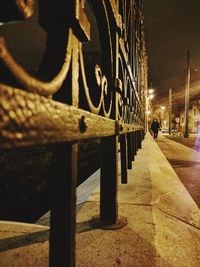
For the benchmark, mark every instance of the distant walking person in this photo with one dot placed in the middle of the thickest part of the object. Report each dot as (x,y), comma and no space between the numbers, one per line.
(155,126)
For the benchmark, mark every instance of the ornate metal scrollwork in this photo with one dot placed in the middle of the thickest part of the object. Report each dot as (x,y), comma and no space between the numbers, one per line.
(101,86)
(98,75)
(30,83)
(98,79)
(102,83)
(132,60)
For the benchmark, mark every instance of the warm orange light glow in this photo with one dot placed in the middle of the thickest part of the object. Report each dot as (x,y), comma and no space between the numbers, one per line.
(151,96)
(151,91)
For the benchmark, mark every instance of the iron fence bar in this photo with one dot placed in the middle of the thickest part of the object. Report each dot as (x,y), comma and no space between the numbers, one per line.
(63,206)
(108,182)
(128,68)
(136,142)
(123,157)
(133,146)
(62,251)
(61,123)
(109,156)
(139,139)
(129,148)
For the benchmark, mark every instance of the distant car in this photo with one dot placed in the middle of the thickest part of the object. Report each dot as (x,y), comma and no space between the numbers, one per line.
(165,130)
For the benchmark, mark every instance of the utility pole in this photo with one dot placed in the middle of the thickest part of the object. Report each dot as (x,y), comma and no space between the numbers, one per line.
(187,87)
(170,110)
(147,108)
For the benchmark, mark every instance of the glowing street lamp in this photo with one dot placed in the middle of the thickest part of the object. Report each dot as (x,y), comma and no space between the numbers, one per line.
(151,96)
(151,91)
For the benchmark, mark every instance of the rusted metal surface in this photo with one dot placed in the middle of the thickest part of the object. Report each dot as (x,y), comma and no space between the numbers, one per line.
(29,119)
(70,99)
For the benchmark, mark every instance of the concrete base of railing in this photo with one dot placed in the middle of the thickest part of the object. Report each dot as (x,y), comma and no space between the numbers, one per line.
(163,224)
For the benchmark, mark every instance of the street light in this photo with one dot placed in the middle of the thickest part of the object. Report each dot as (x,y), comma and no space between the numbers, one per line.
(151,96)
(151,91)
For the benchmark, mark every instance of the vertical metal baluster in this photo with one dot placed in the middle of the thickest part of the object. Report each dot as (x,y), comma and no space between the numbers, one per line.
(63,188)
(136,142)
(143,134)
(139,139)
(129,147)
(123,155)
(109,177)
(133,145)
(63,203)
(109,166)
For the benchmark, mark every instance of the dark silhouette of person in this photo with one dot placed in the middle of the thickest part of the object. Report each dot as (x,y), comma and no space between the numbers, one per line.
(155,126)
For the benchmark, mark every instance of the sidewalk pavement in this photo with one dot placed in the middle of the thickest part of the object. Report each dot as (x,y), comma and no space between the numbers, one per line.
(163,226)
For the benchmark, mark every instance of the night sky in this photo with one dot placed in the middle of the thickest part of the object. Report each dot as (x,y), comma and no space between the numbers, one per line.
(171,28)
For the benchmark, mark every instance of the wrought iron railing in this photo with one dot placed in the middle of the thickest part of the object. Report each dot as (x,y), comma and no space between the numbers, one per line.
(98,91)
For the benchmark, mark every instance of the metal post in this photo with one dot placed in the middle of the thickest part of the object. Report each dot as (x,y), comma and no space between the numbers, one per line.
(109,218)
(62,248)
(133,146)
(187,87)
(170,110)
(123,156)
(109,175)
(63,204)
(129,152)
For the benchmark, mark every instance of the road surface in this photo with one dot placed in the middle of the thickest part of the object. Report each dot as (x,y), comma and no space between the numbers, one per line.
(186,163)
